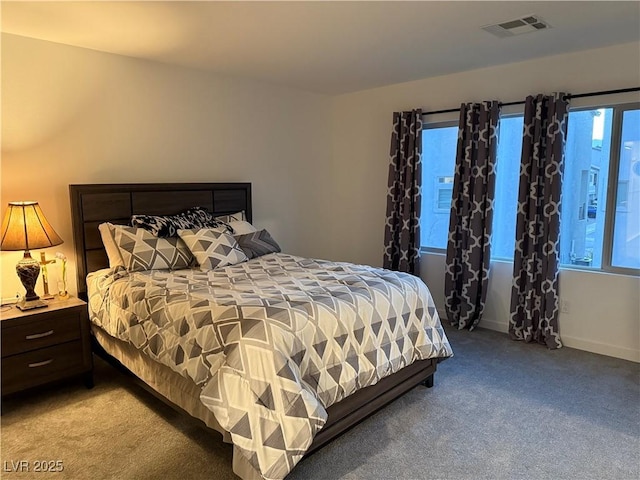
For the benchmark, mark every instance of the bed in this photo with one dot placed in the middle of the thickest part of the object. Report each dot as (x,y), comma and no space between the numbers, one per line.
(273,414)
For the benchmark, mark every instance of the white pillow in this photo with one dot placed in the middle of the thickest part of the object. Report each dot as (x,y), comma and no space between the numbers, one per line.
(212,249)
(241,227)
(113,253)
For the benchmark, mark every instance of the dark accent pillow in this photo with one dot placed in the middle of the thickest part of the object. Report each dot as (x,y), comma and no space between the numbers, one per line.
(256,244)
(168,225)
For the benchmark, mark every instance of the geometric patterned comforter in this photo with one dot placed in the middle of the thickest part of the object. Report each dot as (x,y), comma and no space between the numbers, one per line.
(274,341)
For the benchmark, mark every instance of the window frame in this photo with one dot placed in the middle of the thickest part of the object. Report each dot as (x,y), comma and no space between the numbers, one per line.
(612,191)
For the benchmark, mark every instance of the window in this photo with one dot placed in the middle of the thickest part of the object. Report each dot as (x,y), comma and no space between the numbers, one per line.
(622,197)
(439,143)
(600,223)
(444,194)
(503,238)
(600,218)
(587,152)
(625,252)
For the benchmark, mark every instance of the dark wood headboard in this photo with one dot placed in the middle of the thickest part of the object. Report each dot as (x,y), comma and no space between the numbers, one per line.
(92,205)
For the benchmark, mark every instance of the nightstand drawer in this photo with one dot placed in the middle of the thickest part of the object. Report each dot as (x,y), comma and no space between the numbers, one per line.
(57,327)
(41,366)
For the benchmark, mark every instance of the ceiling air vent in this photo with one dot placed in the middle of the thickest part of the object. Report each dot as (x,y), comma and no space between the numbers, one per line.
(527,24)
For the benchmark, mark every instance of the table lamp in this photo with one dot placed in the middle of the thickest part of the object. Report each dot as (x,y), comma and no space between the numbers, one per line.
(25,228)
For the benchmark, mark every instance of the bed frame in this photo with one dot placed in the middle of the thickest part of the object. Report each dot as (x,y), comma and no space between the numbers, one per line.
(115,203)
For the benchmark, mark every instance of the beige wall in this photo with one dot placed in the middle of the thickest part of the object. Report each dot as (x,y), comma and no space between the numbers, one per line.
(71,115)
(604,309)
(318,164)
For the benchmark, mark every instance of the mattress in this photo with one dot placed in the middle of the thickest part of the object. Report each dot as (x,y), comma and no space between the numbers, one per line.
(271,343)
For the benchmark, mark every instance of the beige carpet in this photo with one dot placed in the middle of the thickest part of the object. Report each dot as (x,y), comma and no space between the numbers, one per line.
(114,431)
(500,410)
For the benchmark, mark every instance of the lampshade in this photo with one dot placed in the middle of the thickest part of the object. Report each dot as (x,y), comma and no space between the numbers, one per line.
(25,228)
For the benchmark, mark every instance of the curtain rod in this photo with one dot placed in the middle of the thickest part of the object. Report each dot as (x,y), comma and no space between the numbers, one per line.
(521,102)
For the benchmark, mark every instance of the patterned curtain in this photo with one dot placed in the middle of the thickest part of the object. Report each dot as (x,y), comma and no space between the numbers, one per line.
(534,295)
(469,245)
(402,229)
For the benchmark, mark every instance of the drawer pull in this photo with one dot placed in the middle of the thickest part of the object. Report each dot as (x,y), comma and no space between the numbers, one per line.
(40,364)
(39,335)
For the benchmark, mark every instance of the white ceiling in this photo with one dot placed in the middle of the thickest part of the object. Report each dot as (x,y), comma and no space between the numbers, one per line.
(326,47)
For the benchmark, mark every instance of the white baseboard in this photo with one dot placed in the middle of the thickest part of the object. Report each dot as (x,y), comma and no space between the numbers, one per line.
(484,323)
(601,348)
(493,325)
(569,341)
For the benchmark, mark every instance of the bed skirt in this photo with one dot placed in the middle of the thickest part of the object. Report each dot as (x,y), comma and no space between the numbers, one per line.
(178,390)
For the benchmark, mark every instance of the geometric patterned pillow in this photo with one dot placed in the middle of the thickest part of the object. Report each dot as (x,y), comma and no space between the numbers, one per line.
(168,225)
(258,243)
(141,250)
(212,249)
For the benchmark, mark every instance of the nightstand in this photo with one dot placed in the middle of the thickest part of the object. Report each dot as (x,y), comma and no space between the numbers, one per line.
(45,344)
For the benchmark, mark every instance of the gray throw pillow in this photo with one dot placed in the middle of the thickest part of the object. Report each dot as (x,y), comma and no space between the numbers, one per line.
(258,243)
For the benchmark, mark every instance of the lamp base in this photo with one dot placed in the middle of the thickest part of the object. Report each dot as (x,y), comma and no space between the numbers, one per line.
(28,270)
(30,304)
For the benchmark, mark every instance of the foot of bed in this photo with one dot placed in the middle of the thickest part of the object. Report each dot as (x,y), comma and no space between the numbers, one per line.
(88,380)
(428,382)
